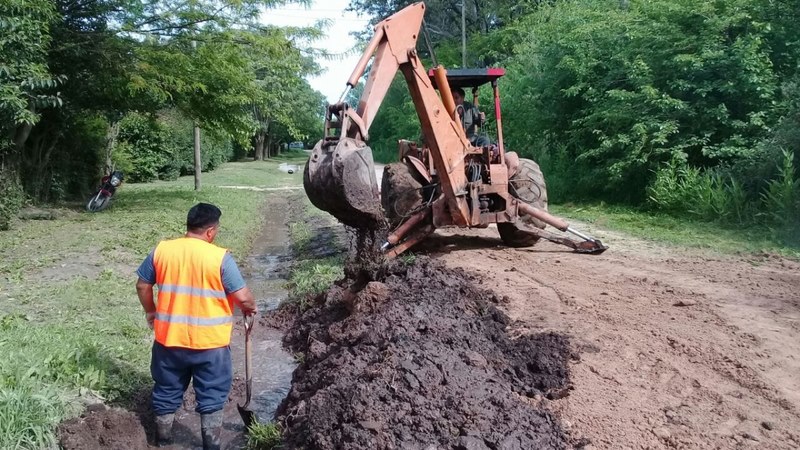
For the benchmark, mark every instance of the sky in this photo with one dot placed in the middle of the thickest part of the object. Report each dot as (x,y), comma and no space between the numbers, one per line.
(338,40)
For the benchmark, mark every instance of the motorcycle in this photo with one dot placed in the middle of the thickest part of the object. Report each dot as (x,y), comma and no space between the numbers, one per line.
(108,186)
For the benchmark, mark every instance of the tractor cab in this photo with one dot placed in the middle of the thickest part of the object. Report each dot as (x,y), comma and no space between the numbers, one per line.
(473,79)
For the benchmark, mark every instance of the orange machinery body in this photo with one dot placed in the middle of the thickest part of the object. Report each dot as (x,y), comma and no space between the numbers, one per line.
(465,174)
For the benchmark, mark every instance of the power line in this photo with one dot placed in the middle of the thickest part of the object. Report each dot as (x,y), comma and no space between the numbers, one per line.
(292,16)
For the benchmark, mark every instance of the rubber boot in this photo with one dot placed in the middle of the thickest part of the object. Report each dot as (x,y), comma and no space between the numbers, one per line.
(211,426)
(164,429)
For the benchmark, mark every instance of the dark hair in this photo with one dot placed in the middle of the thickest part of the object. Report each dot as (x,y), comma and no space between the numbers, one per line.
(202,216)
(460,91)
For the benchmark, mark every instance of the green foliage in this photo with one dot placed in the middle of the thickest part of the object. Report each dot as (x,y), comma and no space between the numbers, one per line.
(621,91)
(310,277)
(396,119)
(75,165)
(162,147)
(781,197)
(112,57)
(264,436)
(11,198)
(145,146)
(215,148)
(25,81)
(708,196)
(27,413)
(301,235)
(683,190)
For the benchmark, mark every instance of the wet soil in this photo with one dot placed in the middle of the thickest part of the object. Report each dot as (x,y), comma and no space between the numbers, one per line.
(101,427)
(421,360)
(679,348)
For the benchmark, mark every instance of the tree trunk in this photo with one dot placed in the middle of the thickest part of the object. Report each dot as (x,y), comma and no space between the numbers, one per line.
(259,145)
(198,166)
(269,145)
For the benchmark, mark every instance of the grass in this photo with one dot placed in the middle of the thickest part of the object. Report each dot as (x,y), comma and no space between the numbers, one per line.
(678,231)
(311,275)
(71,328)
(264,436)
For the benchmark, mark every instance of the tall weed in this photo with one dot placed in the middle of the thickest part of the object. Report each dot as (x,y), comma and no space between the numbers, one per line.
(689,191)
(11,198)
(781,197)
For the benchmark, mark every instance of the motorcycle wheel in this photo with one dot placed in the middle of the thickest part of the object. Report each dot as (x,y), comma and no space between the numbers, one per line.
(98,203)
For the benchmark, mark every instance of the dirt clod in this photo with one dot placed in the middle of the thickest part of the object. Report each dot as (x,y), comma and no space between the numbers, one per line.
(422,358)
(101,427)
(685,302)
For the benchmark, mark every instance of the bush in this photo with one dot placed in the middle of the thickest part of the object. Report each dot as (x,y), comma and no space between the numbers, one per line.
(781,197)
(11,198)
(621,91)
(78,166)
(162,147)
(214,149)
(143,147)
(688,191)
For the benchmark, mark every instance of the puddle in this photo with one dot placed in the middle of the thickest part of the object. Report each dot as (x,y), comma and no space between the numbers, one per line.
(288,168)
(265,271)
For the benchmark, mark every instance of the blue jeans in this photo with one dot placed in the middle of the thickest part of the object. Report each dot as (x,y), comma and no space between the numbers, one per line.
(211,373)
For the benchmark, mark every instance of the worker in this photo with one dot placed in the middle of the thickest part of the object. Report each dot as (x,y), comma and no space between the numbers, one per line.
(198,285)
(471,118)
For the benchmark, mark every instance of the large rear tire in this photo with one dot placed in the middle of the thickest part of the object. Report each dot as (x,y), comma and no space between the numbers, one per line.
(528,186)
(401,193)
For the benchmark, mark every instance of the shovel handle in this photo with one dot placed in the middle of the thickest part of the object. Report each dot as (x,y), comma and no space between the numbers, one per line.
(249,319)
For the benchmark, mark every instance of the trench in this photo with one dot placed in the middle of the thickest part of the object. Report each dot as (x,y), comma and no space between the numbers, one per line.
(265,271)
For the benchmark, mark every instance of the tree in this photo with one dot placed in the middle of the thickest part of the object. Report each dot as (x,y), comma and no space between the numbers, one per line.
(26,84)
(107,57)
(284,99)
(611,93)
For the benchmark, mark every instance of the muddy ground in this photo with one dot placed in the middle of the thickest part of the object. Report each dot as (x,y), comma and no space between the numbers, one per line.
(678,348)
(421,360)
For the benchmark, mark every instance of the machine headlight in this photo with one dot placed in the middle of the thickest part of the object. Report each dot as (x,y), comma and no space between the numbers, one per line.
(115,181)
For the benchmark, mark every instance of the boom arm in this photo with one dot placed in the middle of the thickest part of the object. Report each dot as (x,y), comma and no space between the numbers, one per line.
(394,47)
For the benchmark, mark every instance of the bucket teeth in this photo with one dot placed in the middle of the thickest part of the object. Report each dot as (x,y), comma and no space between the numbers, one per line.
(341,180)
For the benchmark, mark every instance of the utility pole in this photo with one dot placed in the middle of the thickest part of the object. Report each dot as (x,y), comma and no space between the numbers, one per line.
(463,35)
(197,165)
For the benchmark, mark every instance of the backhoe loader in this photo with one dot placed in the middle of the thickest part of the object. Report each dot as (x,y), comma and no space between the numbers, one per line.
(442,182)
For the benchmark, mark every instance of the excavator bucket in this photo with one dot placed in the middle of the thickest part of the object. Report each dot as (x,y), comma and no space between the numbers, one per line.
(340,178)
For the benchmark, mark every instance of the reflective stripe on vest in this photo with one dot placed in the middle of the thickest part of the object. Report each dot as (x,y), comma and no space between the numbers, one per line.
(192,310)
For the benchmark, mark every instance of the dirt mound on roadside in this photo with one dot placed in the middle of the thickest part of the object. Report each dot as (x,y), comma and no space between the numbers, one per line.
(421,359)
(102,427)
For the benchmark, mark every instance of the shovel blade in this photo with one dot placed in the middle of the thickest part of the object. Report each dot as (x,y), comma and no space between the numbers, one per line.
(248,415)
(594,247)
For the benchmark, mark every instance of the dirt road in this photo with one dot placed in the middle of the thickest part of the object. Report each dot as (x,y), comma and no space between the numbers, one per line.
(679,348)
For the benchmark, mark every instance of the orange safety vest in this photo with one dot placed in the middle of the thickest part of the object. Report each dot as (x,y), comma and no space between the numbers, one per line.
(192,310)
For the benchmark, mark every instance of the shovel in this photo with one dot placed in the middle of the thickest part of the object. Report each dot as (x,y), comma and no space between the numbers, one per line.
(248,415)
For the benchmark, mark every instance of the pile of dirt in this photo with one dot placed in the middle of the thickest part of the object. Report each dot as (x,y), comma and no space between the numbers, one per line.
(103,427)
(421,359)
